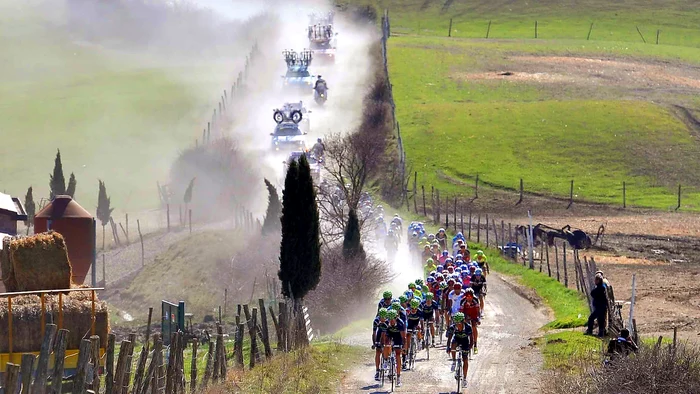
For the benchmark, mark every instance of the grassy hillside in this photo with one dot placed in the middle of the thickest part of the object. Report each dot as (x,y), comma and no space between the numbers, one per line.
(677,20)
(601,112)
(116,116)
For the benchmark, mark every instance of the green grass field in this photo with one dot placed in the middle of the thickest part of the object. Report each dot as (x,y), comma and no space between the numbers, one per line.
(116,117)
(454,127)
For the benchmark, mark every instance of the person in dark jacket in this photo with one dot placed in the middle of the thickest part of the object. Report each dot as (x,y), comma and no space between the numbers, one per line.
(622,346)
(599,296)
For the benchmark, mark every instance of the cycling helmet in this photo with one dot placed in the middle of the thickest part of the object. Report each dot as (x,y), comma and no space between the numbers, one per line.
(441,230)
(383,312)
(429,296)
(425,289)
(439,277)
(387,295)
(464,267)
(433,273)
(451,281)
(430,279)
(408,294)
(445,253)
(450,269)
(396,306)
(478,272)
(465,273)
(472,267)
(458,270)
(445,272)
(411,285)
(403,299)
(459,257)
(479,252)
(458,317)
(443,286)
(431,237)
(392,314)
(429,261)
(458,284)
(440,268)
(469,290)
(419,282)
(415,303)
(448,260)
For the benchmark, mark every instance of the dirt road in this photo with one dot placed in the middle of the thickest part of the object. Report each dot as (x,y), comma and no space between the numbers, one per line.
(506,362)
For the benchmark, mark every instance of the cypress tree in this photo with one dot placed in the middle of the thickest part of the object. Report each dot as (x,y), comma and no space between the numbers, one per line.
(104,212)
(57,182)
(300,251)
(274,210)
(72,184)
(352,242)
(30,208)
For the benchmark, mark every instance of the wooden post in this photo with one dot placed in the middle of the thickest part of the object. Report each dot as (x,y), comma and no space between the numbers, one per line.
(415,191)
(571,195)
(495,232)
(558,277)
(143,253)
(263,326)
(253,341)
(476,187)
(43,363)
(127,228)
(425,212)
(104,272)
(276,324)
(109,364)
(657,36)
(549,268)
(121,367)
(510,233)
(447,213)
(208,369)
(535,29)
(94,378)
(80,373)
(432,202)
(679,197)
(590,29)
(520,199)
(238,346)
(282,342)
(11,379)
(624,194)
(449,31)
(488,30)
(566,275)
(478,229)
(59,358)
(190,219)
(193,367)
(469,230)
(127,368)
(487,230)
(454,214)
(541,255)
(167,214)
(461,219)
(26,372)
(141,367)
(641,35)
(170,371)
(159,373)
(437,192)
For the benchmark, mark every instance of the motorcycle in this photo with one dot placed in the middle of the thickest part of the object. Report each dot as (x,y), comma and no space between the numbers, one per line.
(321,94)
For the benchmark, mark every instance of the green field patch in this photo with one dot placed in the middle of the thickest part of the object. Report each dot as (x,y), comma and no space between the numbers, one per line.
(569,350)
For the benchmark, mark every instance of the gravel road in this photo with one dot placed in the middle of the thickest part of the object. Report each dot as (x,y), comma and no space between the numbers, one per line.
(506,362)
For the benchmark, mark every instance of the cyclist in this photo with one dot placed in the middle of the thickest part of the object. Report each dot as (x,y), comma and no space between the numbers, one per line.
(478,283)
(430,308)
(414,325)
(445,254)
(464,251)
(395,335)
(441,237)
(472,311)
(454,299)
(386,300)
(459,333)
(481,260)
(429,266)
(379,327)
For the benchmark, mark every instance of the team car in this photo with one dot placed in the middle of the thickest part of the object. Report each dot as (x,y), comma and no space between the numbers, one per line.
(298,76)
(288,136)
(295,112)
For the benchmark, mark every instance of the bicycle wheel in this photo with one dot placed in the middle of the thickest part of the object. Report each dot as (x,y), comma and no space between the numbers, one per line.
(458,369)
(427,344)
(382,371)
(392,374)
(411,352)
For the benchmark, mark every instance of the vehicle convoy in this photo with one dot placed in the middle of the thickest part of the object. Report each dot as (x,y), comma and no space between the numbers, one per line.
(298,78)
(288,137)
(322,41)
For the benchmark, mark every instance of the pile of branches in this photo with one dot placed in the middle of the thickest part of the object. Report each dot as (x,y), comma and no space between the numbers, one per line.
(653,369)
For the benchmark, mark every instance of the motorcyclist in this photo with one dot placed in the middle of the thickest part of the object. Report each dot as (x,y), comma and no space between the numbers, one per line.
(317,149)
(320,84)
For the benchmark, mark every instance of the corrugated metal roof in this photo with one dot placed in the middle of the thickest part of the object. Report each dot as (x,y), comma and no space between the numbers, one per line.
(7,206)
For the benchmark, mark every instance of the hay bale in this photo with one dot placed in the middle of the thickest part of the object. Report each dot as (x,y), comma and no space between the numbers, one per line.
(40,262)
(8,276)
(26,320)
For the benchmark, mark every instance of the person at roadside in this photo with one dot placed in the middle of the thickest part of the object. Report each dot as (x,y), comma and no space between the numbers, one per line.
(379,327)
(599,296)
(472,311)
(622,346)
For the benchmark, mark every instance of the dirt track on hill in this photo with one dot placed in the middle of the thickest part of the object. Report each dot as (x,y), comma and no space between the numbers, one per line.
(507,361)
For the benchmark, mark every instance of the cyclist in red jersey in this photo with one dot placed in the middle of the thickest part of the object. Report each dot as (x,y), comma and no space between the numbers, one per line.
(472,310)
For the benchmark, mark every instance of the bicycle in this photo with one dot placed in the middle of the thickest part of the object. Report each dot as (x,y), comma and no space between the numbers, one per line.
(412,349)
(427,338)
(388,369)
(441,326)
(458,368)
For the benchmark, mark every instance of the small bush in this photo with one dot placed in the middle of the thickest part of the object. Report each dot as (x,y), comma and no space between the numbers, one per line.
(652,370)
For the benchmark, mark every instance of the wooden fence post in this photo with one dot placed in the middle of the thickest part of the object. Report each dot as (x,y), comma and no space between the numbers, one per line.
(127,368)
(238,346)
(43,363)
(476,187)
(193,367)
(447,213)
(449,31)
(437,193)
(11,378)
(461,219)
(520,199)
(109,364)
(59,358)
(679,197)
(624,194)
(541,255)
(253,341)
(282,340)
(558,278)
(264,328)
(487,230)
(167,214)
(641,35)
(478,229)
(141,367)
(425,212)
(571,195)
(488,30)
(432,202)
(549,268)
(80,373)
(469,230)
(657,36)
(590,29)
(94,377)
(121,367)
(566,275)
(26,372)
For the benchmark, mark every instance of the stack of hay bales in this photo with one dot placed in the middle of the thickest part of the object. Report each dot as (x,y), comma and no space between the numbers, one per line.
(40,262)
